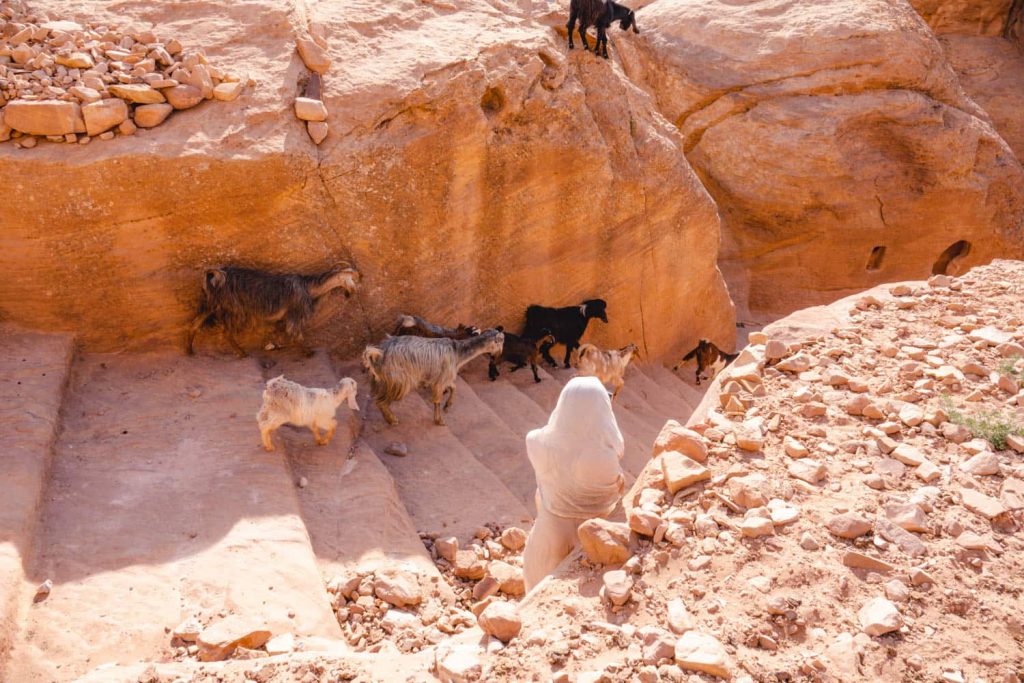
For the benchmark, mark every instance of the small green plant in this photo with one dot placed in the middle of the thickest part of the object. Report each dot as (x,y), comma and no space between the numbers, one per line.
(992,425)
(1008,367)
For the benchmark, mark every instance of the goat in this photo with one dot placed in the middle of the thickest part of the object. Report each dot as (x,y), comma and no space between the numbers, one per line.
(418,327)
(707,355)
(567,325)
(600,14)
(519,351)
(608,366)
(241,298)
(401,364)
(286,402)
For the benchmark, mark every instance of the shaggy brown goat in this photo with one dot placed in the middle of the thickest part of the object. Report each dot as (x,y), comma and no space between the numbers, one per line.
(399,365)
(239,299)
(519,351)
(418,327)
(707,355)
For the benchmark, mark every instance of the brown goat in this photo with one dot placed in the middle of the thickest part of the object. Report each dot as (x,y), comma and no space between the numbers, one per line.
(239,299)
(519,351)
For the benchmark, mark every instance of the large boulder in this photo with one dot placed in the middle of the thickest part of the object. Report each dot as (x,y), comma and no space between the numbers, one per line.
(466,181)
(835,138)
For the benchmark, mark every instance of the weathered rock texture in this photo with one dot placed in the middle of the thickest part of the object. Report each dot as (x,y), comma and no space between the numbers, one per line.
(836,140)
(468,174)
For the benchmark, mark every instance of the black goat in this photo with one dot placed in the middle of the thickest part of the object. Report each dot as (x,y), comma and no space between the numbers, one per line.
(241,298)
(707,354)
(567,325)
(600,14)
(418,327)
(519,351)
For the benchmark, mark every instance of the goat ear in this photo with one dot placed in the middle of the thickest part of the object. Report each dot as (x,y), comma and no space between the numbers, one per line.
(216,277)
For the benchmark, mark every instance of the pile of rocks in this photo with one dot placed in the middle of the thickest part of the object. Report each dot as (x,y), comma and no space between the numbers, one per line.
(65,82)
(831,517)
(488,570)
(310,107)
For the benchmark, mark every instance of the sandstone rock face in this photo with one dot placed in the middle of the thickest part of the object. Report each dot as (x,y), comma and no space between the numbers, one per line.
(825,164)
(541,177)
(977,17)
(991,70)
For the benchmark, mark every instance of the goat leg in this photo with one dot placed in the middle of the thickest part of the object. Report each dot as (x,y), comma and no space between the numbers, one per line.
(571,26)
(601,48)
(583,36)
(438,418)
(492,370)
(568,352)
(234,344)
(533,366)
(545,350)
(330,432)
(316,434)
(385,410)
(199,321)
(266,435)
(451,397)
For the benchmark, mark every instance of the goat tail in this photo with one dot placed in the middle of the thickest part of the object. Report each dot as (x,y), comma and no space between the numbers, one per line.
(373,357)
(691,354)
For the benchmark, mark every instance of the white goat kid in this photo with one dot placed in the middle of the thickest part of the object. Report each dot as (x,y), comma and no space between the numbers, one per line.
(287,402)
(608,366)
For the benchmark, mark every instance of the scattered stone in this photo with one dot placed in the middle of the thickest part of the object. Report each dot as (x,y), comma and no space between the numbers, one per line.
(284,643)
(754,527)
(679,619)
(509,578)
(879,616)
(676,438)
(188,630)
(1015,442)
(604,542)
(908,455)
(397,588)
(46,117)
(698,651)
(808,542)
(982,464)
(807,470)
(907,542)
(218,640)
(317,131)
(681,471)
(501,620)
(468,566)
(513,538)
(308,109)
(459,664)
(907,515)
(313,55)
(978,503)
(927,472)
(897,591)
(617,587)
(151,115)
(643,522)
(43,590)
(138,93)
(848,525)
(183,96)
(228,92)
(852,558)
(397,449)
(794,448)
(447,547)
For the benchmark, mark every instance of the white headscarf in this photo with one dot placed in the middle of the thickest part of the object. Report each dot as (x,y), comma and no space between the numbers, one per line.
(576,456)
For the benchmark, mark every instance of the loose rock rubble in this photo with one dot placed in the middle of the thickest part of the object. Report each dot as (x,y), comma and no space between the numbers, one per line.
(892,550)
(65,82)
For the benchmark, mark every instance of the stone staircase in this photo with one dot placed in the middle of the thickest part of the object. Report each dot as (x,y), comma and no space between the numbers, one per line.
(138,485)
